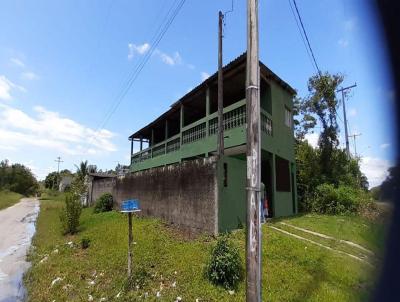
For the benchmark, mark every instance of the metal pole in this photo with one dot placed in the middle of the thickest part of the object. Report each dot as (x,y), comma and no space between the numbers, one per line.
(220,143)
(253,237)
(130,239)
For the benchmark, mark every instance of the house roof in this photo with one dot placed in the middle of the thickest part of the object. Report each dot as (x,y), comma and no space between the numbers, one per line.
(236,63)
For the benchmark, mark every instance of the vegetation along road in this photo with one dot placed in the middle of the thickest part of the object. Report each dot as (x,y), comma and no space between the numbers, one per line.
(305,258)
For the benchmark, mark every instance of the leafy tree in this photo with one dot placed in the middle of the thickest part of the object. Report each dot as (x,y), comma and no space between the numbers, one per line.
(17,178)
(321,105)
(326,164)
(51,181)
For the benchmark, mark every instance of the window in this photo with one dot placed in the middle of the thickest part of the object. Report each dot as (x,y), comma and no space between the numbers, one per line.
(288,117)
(282,174)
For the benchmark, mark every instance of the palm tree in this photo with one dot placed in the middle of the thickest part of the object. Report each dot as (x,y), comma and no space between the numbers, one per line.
(82,169)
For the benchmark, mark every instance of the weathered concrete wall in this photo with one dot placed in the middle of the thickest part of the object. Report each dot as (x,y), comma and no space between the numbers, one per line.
(182,194)
(100,186)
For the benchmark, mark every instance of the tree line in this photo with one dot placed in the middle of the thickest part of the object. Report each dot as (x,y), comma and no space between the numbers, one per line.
(328,180)
(17,178)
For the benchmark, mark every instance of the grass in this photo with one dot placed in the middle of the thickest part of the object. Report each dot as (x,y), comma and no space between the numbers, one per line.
(293,270)
(8,198)
(353,228)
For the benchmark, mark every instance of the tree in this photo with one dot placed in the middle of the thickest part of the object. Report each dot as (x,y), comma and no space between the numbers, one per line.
(82,170)
(51,181)
(321,105)
(327,163)
(17,178)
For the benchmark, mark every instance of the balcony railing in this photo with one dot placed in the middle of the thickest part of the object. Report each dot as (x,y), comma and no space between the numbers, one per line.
(234,116)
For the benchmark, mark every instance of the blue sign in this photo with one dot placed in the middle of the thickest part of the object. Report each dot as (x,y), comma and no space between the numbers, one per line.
(131,205)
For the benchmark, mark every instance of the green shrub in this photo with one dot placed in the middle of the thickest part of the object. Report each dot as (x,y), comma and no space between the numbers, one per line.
(330,200)
(225,266)
(85,243)
(69,215)
(104,203)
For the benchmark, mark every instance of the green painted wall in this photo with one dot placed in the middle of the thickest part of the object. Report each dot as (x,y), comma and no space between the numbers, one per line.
(232,197)
(280,143)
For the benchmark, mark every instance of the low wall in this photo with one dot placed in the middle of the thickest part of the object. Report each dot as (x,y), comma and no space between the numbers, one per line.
(183,194)
(99,186)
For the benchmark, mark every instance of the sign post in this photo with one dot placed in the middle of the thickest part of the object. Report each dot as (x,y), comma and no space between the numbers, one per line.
(130,206)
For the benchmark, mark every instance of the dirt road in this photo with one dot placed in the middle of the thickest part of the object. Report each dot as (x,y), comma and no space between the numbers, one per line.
(17,226)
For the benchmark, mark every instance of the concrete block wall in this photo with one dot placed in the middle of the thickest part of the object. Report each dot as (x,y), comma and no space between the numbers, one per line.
(99,186)
(182,194)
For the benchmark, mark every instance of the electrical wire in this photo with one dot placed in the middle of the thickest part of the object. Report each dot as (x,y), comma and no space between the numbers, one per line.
(301,35)
(306,36)
(135,72)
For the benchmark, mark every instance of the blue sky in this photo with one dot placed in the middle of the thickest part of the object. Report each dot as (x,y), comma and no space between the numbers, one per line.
(62,64)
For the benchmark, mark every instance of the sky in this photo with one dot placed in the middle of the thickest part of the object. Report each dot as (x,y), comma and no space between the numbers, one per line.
(63,65)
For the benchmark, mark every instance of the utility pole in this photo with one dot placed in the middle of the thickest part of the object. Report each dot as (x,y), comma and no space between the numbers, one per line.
(58,161)
(253,152)
(344,117)
(354,139)
(220,143)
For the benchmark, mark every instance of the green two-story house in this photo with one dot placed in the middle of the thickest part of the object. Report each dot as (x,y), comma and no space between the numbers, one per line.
(188,130)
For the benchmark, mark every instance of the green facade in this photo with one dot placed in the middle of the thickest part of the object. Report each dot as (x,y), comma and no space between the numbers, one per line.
(199,139)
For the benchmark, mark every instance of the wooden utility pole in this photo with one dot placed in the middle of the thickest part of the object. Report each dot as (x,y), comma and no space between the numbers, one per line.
(253,237)
(344,117)
(58,161)
(220,143)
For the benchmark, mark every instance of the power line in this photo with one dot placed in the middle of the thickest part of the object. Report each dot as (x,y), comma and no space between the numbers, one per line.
(301,35)
(306,36)
(140,66)
(134,73)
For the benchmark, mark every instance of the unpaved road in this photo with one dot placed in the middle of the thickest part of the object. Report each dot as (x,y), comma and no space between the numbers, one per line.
(17,226)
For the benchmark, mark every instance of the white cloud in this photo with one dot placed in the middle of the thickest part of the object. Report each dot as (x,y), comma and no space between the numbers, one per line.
(137,49)
(204,76)
(376,169)
(49,130)
(6,86)
(384,146)
(29,75)
(171,60)
(17,62)
(312,139)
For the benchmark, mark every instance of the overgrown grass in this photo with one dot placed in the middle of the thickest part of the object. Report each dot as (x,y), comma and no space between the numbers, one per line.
(8,198)
(293,270)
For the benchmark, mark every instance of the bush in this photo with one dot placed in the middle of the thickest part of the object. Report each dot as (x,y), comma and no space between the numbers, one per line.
(225,266)
(85,243)
(330,200)
(70,214)
(104,203)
